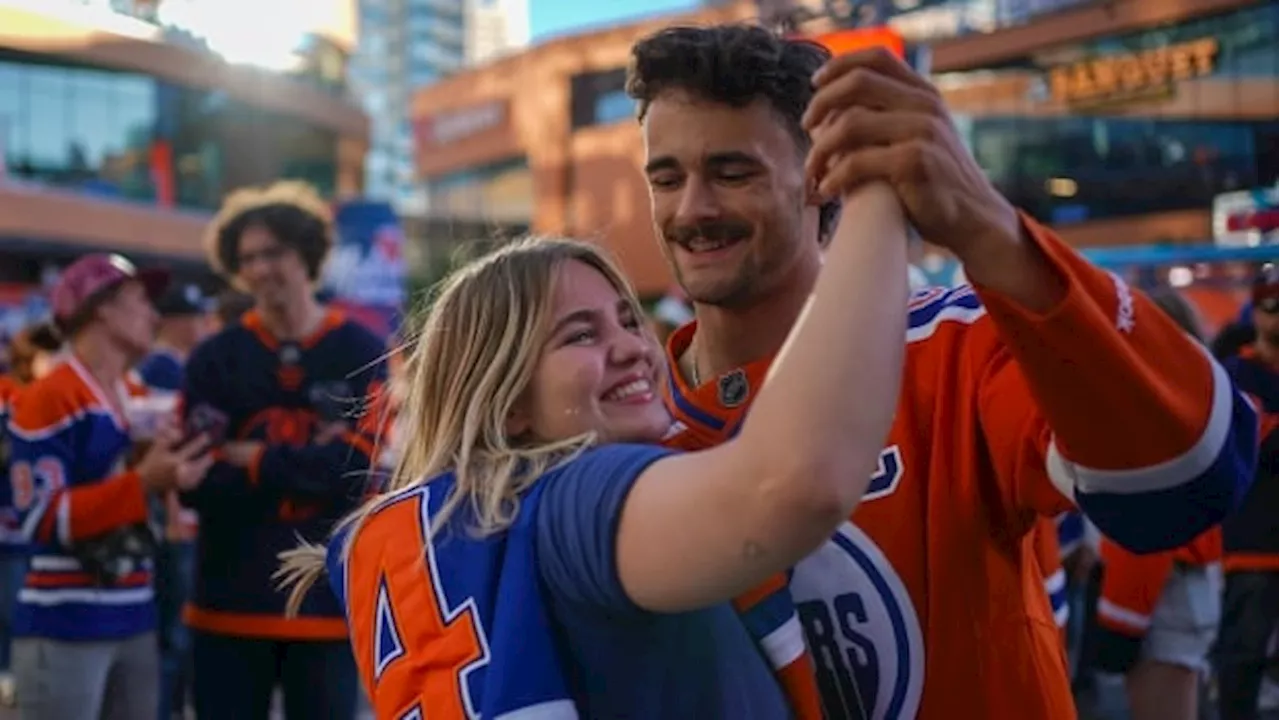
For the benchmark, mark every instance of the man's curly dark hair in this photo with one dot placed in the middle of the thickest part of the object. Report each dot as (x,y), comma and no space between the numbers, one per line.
(292,211)
(734,65)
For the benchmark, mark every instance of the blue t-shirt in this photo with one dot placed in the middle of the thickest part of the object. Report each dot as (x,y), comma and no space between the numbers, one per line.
(161,370)
(553,631)
(626,661)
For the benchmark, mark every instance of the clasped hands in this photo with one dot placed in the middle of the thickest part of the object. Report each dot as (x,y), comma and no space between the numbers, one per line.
(872,118)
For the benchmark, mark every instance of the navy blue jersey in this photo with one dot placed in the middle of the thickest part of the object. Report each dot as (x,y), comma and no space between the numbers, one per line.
(1251,535)
(285,395)
(533,620)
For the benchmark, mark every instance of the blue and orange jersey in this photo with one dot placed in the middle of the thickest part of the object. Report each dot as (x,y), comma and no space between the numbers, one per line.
(10,533)
(1251,536)
(1071,532)
(161,372)
(1005,416)
(532,620)
(283,395)
(68,483)
(1132,586)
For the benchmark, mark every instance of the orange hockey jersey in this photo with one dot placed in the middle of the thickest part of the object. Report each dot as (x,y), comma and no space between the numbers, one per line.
(1131,588)
(1044,543)
(929,603)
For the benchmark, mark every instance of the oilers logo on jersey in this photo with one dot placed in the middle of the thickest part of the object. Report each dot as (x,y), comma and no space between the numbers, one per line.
(866,643)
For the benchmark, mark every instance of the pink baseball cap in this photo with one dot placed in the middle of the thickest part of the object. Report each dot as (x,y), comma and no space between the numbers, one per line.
(87,278)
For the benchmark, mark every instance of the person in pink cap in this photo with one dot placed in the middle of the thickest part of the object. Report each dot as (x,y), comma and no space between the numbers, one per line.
(84,624)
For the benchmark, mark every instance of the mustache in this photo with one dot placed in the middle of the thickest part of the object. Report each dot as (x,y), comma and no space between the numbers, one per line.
(714,231)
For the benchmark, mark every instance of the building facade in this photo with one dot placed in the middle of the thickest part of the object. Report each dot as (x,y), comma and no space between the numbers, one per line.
(1122,122)
(494,28)
(115,138)
(409,44)
(1117,122)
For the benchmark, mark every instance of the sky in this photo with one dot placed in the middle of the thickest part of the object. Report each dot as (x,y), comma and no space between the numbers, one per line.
(548,18)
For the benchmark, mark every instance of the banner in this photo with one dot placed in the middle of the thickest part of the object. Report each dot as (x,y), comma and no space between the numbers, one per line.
(1246,218)
(366,272)
(21,304)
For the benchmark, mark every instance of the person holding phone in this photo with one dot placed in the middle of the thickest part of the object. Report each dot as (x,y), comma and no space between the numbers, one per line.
(84,625)
(288,383)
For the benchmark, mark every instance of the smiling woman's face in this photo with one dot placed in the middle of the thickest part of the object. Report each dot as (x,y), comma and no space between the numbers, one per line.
(599,369)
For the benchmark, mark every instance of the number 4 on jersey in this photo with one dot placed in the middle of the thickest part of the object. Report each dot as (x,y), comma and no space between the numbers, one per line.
(410,615)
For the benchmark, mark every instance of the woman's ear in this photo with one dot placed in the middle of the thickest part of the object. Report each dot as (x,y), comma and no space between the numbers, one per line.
(518,420)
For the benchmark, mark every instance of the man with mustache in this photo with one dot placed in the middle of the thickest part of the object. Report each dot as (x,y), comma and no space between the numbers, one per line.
(1046,382)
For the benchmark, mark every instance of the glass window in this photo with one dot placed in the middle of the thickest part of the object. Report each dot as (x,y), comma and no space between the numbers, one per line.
(47,114)
(13,119)
(613,107)
(97,130)
(90,131)
(599,97)
(1082,168)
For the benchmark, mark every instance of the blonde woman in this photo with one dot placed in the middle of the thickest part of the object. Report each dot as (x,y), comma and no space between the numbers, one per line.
(526,561)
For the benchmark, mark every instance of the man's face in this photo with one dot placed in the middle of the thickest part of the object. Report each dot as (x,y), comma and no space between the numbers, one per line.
(727,189)
(273,273)
(1266,318)
(130,318)
(187,331)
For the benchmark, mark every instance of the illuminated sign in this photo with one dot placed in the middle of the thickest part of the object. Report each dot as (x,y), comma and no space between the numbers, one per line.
(1131,76)
(1246,217)
(843,42)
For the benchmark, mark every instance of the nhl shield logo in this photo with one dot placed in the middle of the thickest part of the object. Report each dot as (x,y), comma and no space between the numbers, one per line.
(733,389)
(290,354)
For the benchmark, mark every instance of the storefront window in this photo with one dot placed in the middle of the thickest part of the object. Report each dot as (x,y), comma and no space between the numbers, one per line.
(1071,169)
(113,133)
(1159,120)
(78,127)
(221,144)
(600,98)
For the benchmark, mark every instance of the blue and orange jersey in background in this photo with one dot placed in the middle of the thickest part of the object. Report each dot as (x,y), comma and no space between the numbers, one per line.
(161,372)
(10,533)
(68,483)
(1005,416)
(1044,542)
(1251,536)
(1071,532)
(1132,586)
(282,394)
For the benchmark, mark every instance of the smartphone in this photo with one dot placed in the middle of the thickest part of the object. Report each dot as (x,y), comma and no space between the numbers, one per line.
(208,421)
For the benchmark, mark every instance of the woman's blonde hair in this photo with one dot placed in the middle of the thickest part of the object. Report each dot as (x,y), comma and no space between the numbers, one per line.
(471,363)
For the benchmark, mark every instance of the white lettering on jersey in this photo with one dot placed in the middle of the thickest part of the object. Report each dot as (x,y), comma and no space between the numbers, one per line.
(862,630)
(1125,321)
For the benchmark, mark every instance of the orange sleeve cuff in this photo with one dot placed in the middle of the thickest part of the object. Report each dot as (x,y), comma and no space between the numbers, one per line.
(99,507)
(1061,260)
(1120,383)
